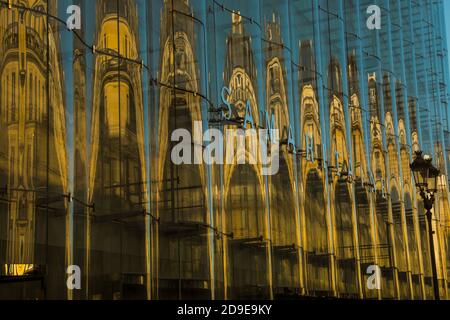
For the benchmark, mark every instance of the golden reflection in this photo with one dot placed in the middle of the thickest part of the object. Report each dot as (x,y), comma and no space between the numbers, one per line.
(18,269)
(183,266)
(315,231)
(243,185)
(116,182)
(28,119)
(284,222)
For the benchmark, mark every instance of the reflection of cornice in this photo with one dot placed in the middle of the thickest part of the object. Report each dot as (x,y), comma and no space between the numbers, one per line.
(13,57)
(309,106)
(110,70)
(35,50)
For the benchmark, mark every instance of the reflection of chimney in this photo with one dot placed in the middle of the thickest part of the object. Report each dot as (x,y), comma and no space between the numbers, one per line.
(237,22)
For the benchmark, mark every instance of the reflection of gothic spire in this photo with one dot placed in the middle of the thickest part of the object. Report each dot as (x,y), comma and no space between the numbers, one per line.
(239,52)
(335,77)
(352,75)
(273,31)
(237,22)
(307,62)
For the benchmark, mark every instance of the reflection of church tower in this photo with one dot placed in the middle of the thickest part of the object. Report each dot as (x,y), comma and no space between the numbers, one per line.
(240,69)
(32,132)
(315,237)
(117,182)
(276,90)
(247,252)
(344,243)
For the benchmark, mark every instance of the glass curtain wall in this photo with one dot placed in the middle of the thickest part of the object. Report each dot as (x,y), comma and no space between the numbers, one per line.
(94,122)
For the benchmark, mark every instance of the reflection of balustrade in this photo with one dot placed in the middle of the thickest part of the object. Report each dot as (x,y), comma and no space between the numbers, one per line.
(34,42)
(11,37)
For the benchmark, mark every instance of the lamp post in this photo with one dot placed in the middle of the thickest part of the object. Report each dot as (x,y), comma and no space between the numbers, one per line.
(426,179)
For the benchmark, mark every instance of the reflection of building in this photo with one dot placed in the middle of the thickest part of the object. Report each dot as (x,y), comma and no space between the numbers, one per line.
(117,170)
(86,170)
(182,268)
(284,212)
(248,224)
(33,160)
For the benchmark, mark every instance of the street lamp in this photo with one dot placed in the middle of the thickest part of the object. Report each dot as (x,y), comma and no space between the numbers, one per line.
(426,178)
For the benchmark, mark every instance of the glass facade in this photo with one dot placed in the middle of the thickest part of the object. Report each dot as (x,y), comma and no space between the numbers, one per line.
(87,118)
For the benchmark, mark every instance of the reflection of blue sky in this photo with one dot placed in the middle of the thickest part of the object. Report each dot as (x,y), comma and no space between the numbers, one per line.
(143,54)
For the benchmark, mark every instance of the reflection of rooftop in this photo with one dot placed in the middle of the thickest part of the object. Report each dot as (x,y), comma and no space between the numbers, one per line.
(34,42)
(113,65)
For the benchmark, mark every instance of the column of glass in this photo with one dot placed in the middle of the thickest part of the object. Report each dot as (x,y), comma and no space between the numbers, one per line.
(446,114)
(377,178)
(404,150)
(315,222)
(422,67)
(439,123)
(339,157)
(243,201)
(412,214)
(33,160)
(360,132)
(284,205)
(182,246)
